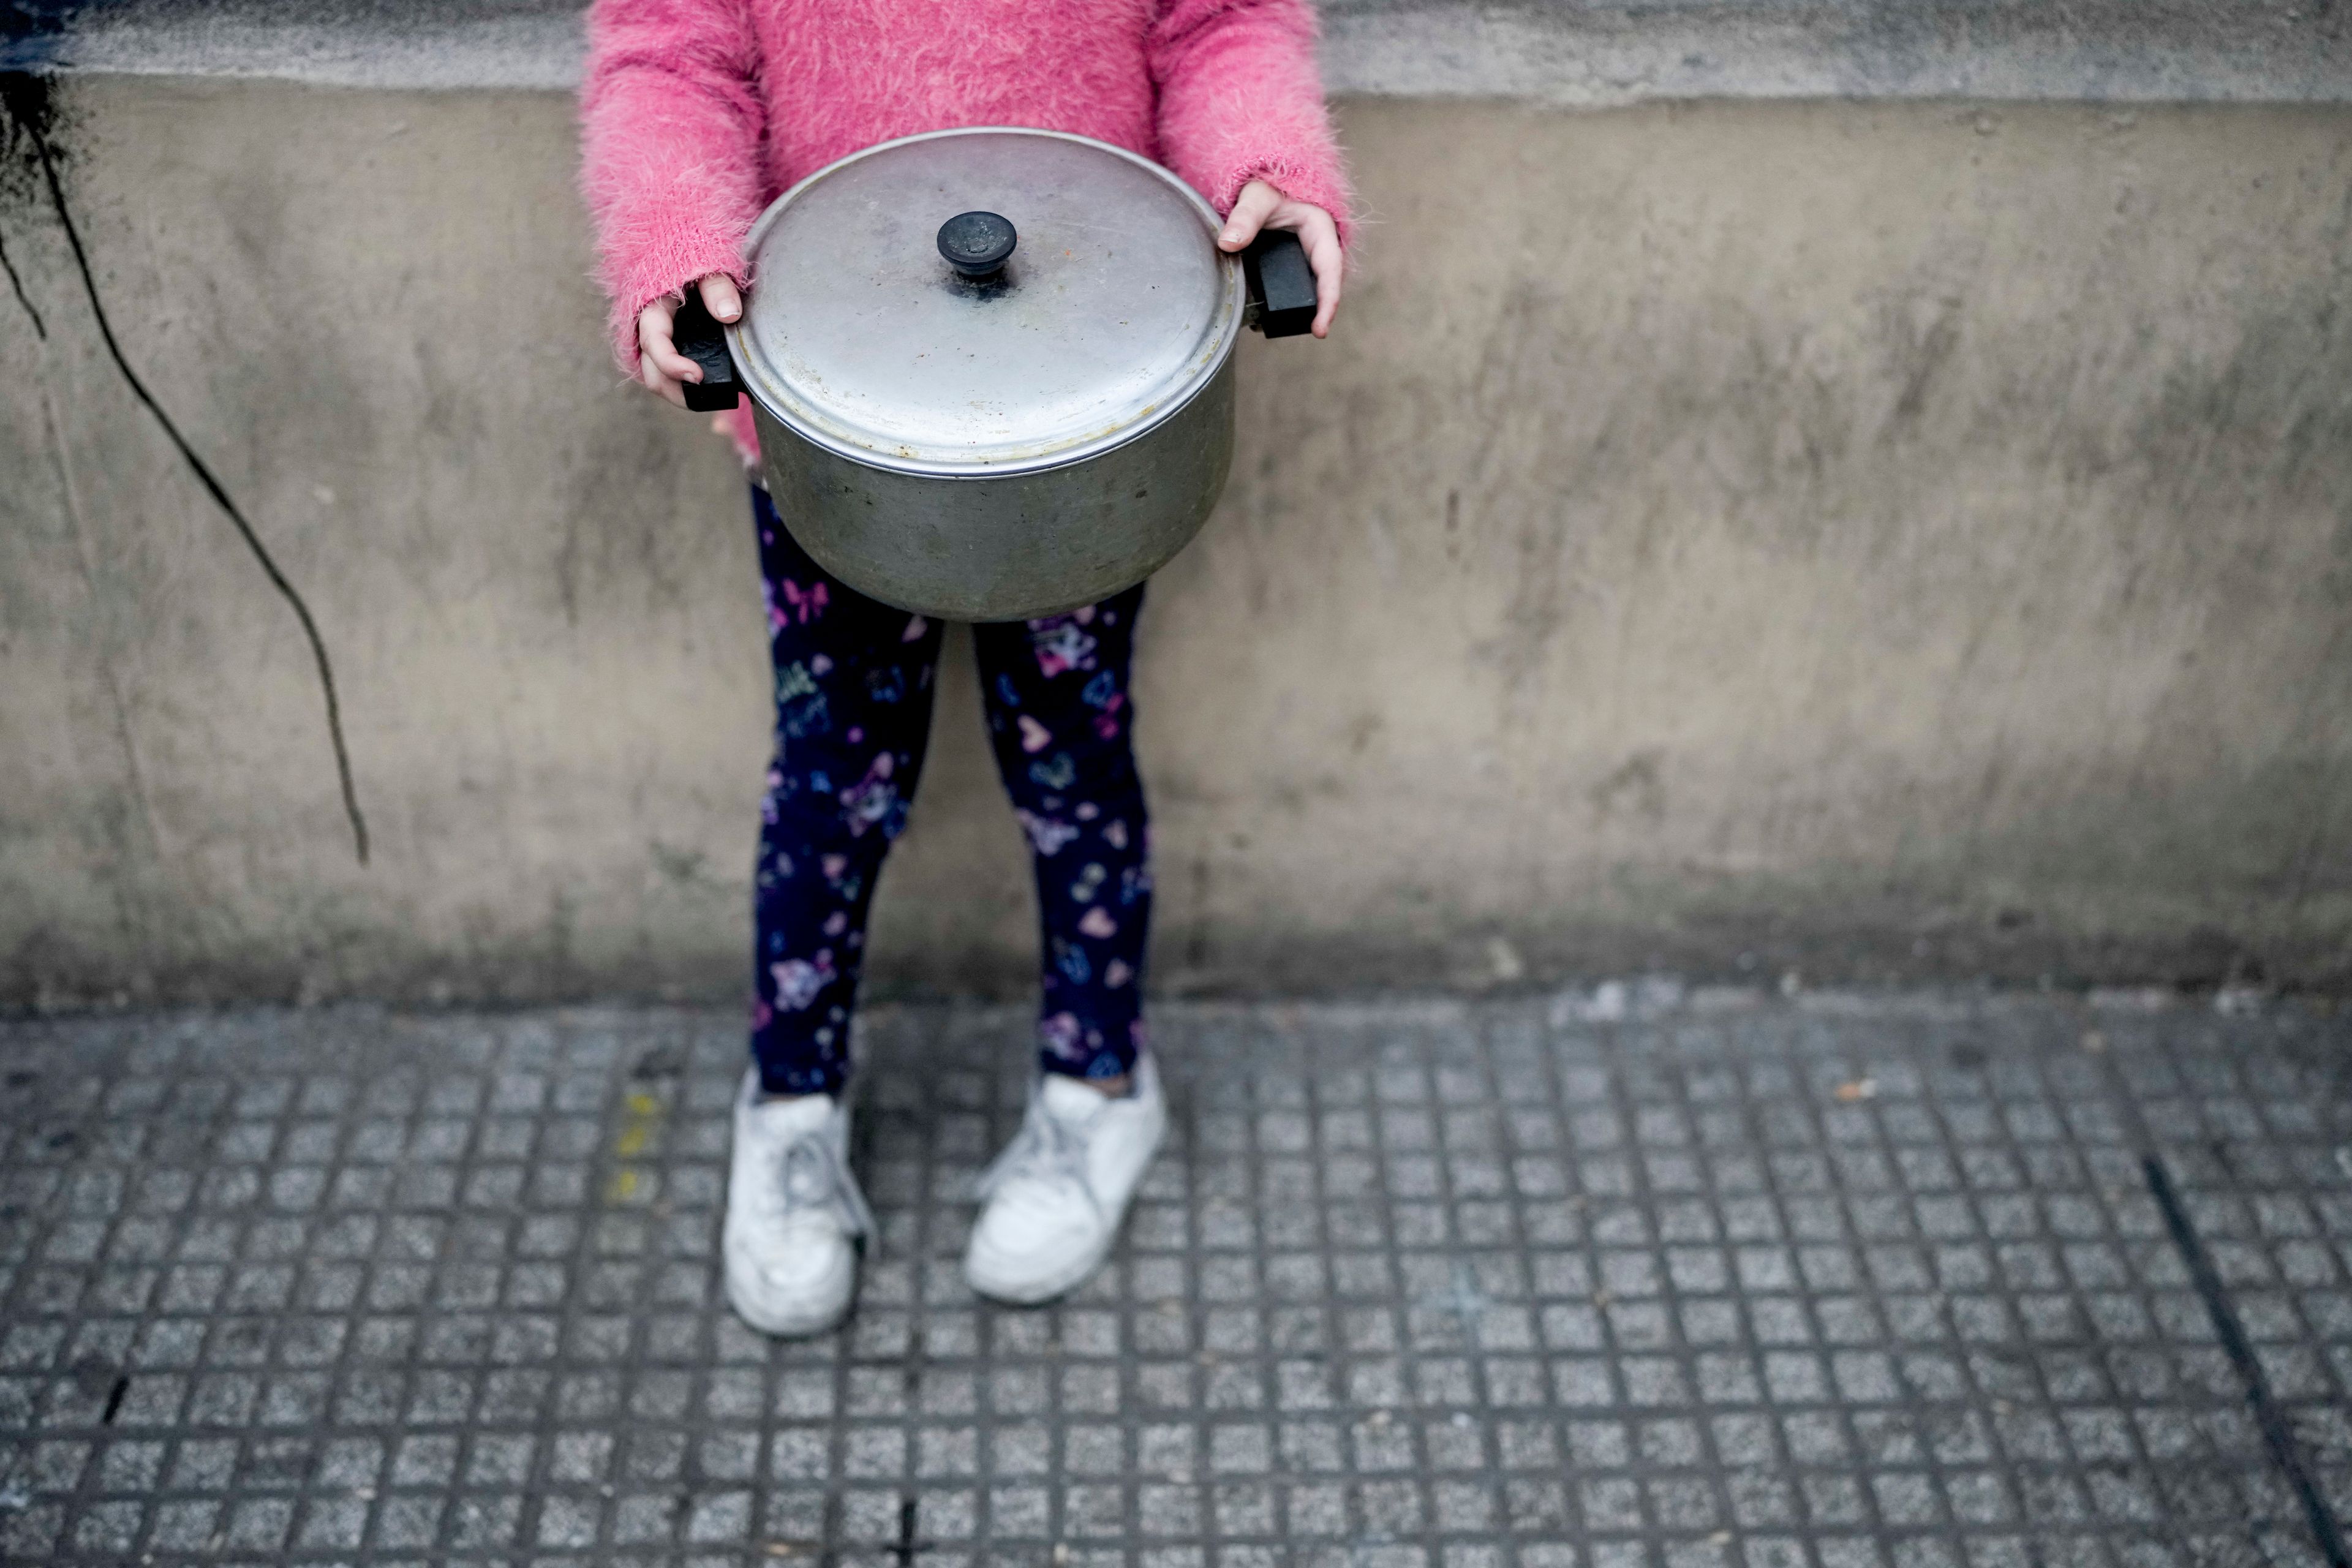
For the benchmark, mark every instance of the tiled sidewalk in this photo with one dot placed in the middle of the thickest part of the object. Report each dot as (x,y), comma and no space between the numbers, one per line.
(1846,1283)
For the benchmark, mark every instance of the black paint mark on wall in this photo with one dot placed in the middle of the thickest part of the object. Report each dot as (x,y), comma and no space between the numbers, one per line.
(40,328)
(18,166)
(30,151)
(27,122)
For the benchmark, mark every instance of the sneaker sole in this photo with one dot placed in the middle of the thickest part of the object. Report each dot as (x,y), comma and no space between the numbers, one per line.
(787,1327)
(1036,1293)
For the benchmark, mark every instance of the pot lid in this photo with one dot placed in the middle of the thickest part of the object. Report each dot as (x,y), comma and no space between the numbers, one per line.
(985,301)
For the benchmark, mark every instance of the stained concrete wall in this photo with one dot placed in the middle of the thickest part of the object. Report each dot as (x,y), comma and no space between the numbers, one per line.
(1869,538)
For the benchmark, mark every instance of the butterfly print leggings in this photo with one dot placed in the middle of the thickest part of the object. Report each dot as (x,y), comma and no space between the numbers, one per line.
(854,683)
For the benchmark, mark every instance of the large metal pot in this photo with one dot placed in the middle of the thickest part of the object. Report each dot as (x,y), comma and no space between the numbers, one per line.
(993,369)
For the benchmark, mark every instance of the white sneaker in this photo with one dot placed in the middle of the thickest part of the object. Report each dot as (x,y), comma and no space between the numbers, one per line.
(1055,1197)
(795,1218)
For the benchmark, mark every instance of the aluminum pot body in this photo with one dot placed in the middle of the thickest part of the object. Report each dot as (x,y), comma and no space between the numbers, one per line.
(1009,547)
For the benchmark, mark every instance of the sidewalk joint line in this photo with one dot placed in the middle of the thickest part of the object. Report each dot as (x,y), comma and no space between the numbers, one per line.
(2277,1434)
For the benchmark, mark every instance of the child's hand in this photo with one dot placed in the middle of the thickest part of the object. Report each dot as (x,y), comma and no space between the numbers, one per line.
(1260,206)
(659,365)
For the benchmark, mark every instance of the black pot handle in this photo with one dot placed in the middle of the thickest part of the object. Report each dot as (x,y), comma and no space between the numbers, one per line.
(1281,284)
(697,335)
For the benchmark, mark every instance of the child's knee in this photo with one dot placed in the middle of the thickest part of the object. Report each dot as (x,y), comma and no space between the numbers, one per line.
(853,800)
(1058,779)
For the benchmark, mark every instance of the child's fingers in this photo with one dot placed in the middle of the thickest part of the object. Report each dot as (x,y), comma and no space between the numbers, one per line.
(673,364)
(656,349)
(1320,237)
(1251,209)
(1260,206)
(654,354)
(719,296)
(657,384)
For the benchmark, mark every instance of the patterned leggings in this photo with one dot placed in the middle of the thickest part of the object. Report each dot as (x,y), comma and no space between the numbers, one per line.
(854,683)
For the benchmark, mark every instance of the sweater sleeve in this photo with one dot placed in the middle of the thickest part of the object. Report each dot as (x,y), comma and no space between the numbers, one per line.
(671,120)
(1241,99)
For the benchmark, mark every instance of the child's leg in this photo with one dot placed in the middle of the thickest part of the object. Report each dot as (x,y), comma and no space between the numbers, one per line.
(852,714)
(1059,715)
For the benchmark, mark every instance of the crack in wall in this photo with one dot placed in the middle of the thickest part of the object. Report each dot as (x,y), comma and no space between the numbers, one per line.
(124,907)
(24,101)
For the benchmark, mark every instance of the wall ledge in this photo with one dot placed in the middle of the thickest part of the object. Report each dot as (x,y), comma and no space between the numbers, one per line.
(1565,53)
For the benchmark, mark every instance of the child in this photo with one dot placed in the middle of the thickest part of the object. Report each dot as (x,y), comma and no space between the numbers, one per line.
(697,114)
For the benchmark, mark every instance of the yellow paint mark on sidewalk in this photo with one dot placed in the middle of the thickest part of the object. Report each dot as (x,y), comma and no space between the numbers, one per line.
(641,1118)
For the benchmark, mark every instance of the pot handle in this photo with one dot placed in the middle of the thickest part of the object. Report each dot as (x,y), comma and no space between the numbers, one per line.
(697,335)
(1281,285)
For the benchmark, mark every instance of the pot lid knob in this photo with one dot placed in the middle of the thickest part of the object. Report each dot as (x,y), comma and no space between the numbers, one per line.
(977,244)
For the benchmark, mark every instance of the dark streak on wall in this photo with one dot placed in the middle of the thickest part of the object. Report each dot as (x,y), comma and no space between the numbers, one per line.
(32,148)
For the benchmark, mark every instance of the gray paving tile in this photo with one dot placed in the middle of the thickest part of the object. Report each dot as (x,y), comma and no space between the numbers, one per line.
(1856,1281)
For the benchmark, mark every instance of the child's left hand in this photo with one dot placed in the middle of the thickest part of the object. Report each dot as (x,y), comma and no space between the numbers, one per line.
(1260,206)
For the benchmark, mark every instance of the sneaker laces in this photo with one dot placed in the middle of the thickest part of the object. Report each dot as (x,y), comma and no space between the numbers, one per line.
(810,1174)
(1047,1151)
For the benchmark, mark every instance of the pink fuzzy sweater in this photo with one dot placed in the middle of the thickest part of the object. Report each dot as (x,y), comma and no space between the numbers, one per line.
(699,112)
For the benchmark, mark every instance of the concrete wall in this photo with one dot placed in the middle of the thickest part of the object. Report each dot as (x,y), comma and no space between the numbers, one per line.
(1899,537)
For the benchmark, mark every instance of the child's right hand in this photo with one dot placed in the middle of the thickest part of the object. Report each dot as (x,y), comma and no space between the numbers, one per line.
(659,365)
